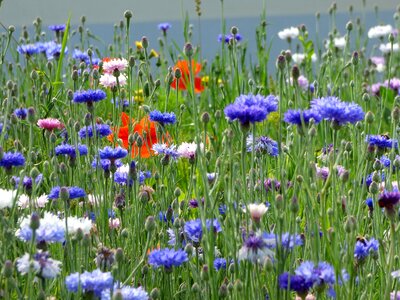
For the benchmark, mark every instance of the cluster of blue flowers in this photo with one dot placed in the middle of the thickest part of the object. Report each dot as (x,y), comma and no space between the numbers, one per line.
(308,276)
(112,153)
(12,159)
(89,96)
(194,229)
(96,282)
(381,142)
(70,150)
(299,117)
(50,49)
(73,192)
(84,57)
(102,130)
(167,258)
(364,248)
(227,37)
(162,118)
(251,108)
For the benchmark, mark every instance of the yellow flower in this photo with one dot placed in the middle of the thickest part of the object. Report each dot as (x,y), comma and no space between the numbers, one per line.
(153,53)
(273,118)
(138,96)
(139,45)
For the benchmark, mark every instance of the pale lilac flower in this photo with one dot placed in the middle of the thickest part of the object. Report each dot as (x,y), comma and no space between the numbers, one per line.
(40,202)
(108,80)
(50,124)
(257,211)
(119,64)
(380,31)
(303,82)
(114,223)
(386,48)
(188,150)
(41,264)
(289,33)
(379,62)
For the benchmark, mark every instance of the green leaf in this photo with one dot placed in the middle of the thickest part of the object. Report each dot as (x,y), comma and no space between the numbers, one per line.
(57,83)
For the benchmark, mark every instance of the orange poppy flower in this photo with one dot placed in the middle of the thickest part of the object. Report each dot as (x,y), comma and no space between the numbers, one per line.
(144,126)
(184,81)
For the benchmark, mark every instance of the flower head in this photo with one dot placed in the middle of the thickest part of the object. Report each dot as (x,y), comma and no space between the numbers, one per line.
(379,31)
(227,37)
(50,124)
(365,247)
(127,293)
(7,198)
(57,27)
(73,192)
(41,264)
(337,111)
(12,159)
(96,282)
(255,249)
(110,65)
(164,27)
(188,150)
(167,151)
(70,150)
(162,118)
(109,80)
(257,211)
(89,96)
(184,81)
(289,33)
(251,108)
(102,130)
(300,117)
(262,145)
(112,153)
(381,142)
(167,258)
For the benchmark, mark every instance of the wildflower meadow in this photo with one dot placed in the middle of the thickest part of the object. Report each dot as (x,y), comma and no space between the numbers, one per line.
(145,170)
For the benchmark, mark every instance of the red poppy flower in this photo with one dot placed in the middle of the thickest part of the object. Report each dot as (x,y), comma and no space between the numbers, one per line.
(144,127)
(184,81)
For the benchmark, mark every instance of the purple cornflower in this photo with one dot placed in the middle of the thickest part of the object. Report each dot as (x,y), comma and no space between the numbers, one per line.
(27,182)
(123,178)
(53,50)
(112,153)
(388,201)
(57,27)
(73,192)
(255,249)
(12,159)
(162,118)
(219,263)
(82,56)
(164,27)
(381,142)
(251,108)
(337,111)
(89,96)
(262,145)
(167,258)
(21,113)
(363,248)
(299,117)
(296,283)
(95,282)
(102,130)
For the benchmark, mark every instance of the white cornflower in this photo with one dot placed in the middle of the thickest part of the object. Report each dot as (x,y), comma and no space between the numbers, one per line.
(289,33)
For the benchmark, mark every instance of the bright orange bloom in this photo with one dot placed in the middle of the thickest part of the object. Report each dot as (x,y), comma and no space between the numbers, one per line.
(144,126)
(184,81)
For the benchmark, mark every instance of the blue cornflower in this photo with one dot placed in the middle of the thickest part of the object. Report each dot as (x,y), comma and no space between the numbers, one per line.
(118,102)
(28,49)
(57,27)
(299,117)
(89,96)
(127,292)
(102,130)
(219,263)
(262,145)
(363,248)
(167,151)
(70,150)
(112,153)
(194,230)
(337,111)
(105,164)
(123,177)
(385,161)
(251,108)
(53,50)
(370,203)
(167,258)
(73,191)
(162,118)
(12,159)
(21,113)
(227,37)
(381,142)
(51,229)
(95,282)
(164,27)
(368,180)
(296,283)
(255,249)
(79,55)
(286,240)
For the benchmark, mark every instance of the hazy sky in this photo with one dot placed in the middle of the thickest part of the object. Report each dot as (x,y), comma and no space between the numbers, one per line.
(23,12)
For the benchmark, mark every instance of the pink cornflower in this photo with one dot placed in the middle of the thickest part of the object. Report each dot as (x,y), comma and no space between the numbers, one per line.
(50,124)
(110,65)
(109,80)
(188,150)
(114,223)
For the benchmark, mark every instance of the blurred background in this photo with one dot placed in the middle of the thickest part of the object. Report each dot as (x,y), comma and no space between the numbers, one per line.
(101,15)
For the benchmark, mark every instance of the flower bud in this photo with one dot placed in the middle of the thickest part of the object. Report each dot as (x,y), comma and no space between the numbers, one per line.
(35,221)
(150,224)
